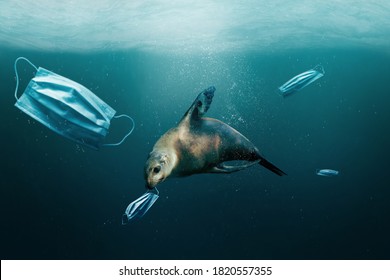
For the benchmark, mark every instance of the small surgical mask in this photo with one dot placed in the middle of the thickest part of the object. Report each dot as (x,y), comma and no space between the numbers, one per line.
(67,108)
(302,80)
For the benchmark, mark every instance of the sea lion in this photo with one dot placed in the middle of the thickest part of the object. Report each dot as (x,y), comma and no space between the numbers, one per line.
(201,145)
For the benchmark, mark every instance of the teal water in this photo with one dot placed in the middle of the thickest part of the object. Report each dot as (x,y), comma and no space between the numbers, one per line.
(63,201)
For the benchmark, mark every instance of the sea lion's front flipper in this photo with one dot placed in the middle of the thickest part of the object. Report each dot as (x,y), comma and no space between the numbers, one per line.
(200,106)
(223,168)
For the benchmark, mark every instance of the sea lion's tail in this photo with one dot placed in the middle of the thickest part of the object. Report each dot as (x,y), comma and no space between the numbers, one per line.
(271,167)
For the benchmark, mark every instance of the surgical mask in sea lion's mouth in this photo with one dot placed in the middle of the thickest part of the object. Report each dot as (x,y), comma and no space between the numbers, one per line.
(138,208)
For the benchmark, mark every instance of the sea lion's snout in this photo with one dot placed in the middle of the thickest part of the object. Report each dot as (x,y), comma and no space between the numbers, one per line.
(151,181)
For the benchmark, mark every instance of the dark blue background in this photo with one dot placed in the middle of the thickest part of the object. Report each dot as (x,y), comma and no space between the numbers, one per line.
(62,201)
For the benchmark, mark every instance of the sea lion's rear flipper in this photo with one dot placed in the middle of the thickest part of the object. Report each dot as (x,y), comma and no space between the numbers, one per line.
(200,105)
(271,167)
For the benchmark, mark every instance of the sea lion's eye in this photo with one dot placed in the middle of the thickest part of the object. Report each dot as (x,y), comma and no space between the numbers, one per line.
(156,169)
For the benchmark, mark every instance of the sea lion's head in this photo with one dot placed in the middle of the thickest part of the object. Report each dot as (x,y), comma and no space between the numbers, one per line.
(157,169)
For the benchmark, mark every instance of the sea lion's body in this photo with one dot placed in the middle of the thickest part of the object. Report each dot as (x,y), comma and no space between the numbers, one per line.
(200,145)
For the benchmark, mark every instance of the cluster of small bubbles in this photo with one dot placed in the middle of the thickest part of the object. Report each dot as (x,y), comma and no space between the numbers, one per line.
(301,213)
(241,120)
(79,149)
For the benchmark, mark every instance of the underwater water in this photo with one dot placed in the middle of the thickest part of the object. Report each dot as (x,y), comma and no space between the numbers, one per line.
(60,200)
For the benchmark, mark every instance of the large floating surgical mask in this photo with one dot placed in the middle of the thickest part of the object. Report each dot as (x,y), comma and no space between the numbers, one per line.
(67,108)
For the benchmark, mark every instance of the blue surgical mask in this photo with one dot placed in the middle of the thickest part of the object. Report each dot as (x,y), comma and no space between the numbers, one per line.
(138,208)
(67,108)
(302,80)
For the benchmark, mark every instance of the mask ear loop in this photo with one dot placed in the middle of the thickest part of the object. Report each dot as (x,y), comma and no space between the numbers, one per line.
(127,135)
(156,193)
(17,76)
